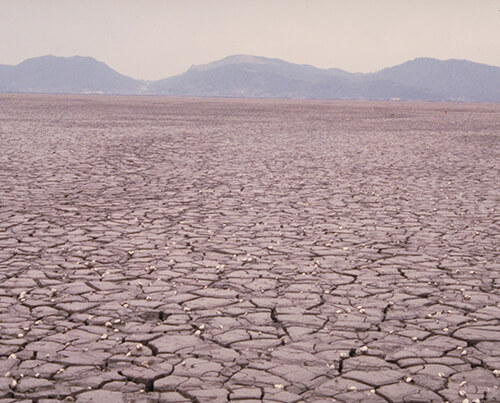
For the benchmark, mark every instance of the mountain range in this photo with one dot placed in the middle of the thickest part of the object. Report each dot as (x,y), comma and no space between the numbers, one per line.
(260,77)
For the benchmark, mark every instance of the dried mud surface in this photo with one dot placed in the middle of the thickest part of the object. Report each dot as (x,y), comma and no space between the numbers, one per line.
(183,250)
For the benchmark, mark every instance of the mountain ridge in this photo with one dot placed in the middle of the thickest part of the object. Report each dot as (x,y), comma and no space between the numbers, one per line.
(75,74)
(242,75)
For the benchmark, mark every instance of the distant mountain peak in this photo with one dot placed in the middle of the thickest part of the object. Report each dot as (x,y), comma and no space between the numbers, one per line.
(74,75)
(60,59)
(235,59)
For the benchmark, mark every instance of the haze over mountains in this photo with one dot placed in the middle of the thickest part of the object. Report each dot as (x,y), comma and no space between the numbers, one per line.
(252,76)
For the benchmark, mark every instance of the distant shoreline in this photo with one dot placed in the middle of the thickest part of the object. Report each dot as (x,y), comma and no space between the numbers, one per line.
(245,99)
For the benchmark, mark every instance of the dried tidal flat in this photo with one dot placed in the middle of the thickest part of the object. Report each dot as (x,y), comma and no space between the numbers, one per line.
(203,250)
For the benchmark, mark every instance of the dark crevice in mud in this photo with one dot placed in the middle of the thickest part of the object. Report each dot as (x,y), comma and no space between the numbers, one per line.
(154,350)
(91,285)
(384,312)
(341,365)
(225,345)
(154,316)
(321,302)
(278,322)
(186,395)
(473,343)
(149,386)
(147,382)
(383,397)
(273,316)
(403,274)
(323,325)
(73,396)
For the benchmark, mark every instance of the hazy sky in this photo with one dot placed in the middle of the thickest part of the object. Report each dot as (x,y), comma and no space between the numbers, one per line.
(152,39)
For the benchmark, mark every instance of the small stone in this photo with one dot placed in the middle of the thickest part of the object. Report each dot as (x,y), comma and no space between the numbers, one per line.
(363,349)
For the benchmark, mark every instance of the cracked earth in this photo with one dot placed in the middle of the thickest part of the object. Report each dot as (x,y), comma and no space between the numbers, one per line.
(183,250)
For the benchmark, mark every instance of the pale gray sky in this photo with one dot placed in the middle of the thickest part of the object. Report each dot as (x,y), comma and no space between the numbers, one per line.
(152,39)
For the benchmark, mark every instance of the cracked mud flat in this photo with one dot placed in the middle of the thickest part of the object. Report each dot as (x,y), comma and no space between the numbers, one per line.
(172,250)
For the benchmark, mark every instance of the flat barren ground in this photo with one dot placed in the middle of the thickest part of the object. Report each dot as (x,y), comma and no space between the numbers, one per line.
(201,250)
